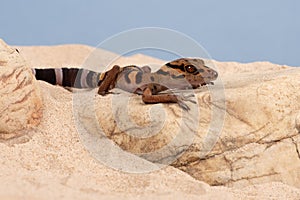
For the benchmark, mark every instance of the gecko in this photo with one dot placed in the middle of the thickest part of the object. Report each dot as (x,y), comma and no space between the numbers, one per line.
(181,74)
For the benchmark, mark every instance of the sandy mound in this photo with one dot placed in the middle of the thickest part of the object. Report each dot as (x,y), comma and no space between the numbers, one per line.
(52,163)
(79,55)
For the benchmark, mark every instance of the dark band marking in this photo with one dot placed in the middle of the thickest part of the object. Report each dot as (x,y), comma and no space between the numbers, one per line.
(162,72)
(89,78)
(77,79)
(138,77)
(127,79)
(178,77)
(47,75)
(152,78)
(69,75)
(181,67)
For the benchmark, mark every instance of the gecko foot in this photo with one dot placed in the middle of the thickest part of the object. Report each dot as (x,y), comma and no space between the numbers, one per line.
(181,101)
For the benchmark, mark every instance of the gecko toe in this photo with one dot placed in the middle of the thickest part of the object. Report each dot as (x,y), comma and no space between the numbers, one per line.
(183,106)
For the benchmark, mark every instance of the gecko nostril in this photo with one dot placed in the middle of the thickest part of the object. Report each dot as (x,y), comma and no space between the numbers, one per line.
(215,74)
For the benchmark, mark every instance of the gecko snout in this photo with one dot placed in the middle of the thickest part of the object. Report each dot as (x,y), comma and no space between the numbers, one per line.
(215,74)
(212,74)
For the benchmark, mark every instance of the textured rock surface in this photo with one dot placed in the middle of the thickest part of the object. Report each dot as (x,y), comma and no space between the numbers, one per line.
(20,100)
(259,141)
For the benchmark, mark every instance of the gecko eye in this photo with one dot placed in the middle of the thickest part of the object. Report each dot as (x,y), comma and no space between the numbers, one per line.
(190,69)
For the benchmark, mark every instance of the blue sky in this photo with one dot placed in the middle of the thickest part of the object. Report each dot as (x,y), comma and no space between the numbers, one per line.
(232,30)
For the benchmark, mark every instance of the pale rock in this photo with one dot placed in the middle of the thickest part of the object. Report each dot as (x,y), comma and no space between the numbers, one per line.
(259,142)
(20,100)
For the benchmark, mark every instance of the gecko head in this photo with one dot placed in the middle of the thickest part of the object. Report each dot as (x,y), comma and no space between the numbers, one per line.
(192,70)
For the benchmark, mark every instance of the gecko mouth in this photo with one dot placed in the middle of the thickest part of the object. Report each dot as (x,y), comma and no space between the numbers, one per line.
(204,81)
(197,84)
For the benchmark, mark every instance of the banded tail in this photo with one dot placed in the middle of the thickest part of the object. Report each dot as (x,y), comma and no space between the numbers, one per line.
(69,77)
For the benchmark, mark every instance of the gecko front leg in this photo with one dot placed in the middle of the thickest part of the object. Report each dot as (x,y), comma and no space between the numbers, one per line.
(150,98)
